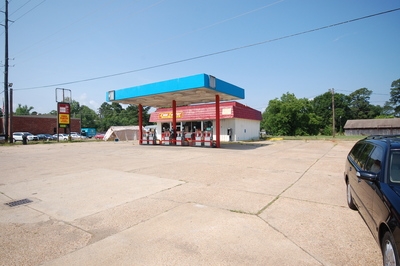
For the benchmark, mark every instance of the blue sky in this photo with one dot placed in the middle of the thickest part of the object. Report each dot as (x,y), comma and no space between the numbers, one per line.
(63,41)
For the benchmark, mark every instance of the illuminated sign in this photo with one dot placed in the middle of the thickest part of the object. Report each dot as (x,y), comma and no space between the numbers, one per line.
(169,115)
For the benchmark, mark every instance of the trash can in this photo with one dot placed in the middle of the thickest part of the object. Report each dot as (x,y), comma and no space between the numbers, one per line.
(24,139)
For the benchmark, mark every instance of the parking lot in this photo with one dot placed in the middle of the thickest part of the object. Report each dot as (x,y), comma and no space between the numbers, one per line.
(117,203)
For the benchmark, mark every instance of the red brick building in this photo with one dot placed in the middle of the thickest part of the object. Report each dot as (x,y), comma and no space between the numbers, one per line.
(37,124)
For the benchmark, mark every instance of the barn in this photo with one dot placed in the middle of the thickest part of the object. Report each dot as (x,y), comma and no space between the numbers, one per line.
(366,127)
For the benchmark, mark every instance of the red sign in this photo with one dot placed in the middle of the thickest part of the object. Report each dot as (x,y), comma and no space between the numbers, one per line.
(63,108)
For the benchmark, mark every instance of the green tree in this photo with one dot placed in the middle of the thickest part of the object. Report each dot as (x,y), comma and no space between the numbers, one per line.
(23,110)
(115,115)
(322,105)
(89,118)
(387,110)
(290,116)
(53,112)
(360,105)
(395,97)
(75,108)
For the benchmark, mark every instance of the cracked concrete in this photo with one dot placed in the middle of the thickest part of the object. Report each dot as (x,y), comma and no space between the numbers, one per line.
(116,203)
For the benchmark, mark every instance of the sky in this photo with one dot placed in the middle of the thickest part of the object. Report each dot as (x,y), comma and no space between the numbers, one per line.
(267,47)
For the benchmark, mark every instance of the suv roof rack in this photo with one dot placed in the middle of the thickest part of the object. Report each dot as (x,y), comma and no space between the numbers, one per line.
(382,136)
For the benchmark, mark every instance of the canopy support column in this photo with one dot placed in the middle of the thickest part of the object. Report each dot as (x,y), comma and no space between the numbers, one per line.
(217,122)
(174,115)
(140,107)
(174,121)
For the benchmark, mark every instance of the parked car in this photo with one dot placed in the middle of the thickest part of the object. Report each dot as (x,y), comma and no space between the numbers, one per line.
(61,136)
(99,136)
(18,136)
(45,137)
(76,135)
(372,176)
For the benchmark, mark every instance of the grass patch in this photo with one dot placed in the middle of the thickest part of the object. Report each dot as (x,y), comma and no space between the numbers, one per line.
(319,137)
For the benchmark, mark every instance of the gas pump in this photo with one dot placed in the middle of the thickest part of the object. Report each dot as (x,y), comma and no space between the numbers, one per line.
(150,139)
(167,136)
(198,138)
(179,136)
(145,138)
(208,138)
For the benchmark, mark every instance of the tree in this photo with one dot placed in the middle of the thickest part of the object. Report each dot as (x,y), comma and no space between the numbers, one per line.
(115,115)
(322,105)
(395,96)
(360,106)
(53,112)
(290,116)
(23,110)
(89,118)
(75,108)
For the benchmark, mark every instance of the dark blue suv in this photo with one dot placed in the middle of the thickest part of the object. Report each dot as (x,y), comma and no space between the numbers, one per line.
(372,176)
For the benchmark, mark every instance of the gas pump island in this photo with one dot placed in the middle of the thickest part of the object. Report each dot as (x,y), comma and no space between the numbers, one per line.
(181,92)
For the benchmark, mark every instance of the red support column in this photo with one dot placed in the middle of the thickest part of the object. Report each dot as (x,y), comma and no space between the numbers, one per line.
(140,107)
(174,121)
(174,115)
(218,122)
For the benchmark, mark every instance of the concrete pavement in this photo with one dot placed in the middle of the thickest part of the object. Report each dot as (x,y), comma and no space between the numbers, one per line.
(116,203)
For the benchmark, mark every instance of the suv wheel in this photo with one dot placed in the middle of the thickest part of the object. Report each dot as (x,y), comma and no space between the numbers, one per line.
(389,250)
(350,201)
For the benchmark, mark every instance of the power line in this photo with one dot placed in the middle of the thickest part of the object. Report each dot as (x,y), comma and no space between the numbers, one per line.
(19,8)
(215,53)
(219,22)
(29,10)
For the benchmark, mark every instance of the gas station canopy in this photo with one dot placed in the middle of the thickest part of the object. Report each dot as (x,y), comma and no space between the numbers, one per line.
(201,88)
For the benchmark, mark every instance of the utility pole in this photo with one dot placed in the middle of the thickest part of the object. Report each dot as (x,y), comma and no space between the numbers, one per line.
(333,112)
(6,107)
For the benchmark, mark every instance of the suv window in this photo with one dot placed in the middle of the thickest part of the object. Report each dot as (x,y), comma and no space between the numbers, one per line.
(364,155)
(375,159)
(395,167)
(356,150)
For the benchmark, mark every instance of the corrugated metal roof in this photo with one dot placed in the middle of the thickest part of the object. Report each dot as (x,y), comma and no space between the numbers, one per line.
(373,123)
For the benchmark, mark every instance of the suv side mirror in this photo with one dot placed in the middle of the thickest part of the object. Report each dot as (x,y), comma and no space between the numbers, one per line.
(369,176)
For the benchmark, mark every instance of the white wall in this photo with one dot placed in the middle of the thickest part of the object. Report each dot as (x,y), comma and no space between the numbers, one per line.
(242,129)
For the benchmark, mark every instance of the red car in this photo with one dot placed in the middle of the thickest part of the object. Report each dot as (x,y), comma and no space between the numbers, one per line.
(99,136)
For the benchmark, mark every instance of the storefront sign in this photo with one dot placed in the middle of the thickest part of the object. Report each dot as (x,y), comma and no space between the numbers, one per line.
(169,115)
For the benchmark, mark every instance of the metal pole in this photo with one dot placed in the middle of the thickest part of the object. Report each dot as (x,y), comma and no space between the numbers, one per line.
(6,107)
(333,112)
(11,114)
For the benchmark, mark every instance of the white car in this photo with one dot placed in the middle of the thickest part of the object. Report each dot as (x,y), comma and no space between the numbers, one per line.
(75,135)
(61,136)
(18,136)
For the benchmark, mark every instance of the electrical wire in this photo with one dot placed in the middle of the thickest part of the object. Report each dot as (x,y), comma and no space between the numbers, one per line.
(19,8)
(29,10)
(217,23)
(99,8)
(215,53)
